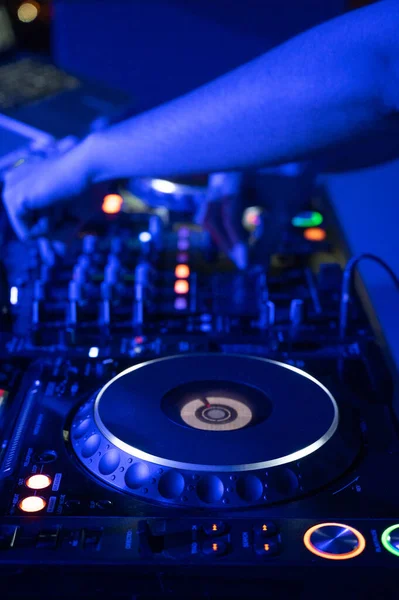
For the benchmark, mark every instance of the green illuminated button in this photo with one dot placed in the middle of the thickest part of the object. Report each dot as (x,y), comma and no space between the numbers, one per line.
(390,539)
(307,219)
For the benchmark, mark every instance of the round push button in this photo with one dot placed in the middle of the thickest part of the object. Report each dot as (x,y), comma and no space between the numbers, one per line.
(390,539)
(334,541)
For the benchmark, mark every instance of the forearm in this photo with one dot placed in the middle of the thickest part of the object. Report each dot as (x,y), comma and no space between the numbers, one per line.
(317,90)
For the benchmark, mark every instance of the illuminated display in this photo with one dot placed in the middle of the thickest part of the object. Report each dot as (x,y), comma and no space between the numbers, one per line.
(32,504)
(307,219)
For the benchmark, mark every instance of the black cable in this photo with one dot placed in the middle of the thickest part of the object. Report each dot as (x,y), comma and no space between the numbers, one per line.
(346,285)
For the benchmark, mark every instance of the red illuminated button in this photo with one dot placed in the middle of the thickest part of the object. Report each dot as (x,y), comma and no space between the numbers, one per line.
(181,286)
(32,504)
(182,271)
(38,482)
(112,204)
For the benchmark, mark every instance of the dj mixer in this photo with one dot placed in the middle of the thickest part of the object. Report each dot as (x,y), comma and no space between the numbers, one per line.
(173,427)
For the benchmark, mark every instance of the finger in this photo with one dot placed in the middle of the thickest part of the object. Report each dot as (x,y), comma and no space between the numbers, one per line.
(46,251)
(231,216)
(40,229)
(10,201)
(213,223)
(239,255)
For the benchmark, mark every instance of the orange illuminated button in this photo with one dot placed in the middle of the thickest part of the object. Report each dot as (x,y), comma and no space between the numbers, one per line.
(210,547)
(314,234)
(32,504)
(215,528)
(334,541)
(38,482)
(112,204)
(181,286)
(269,548)
(182,271)
(266,529)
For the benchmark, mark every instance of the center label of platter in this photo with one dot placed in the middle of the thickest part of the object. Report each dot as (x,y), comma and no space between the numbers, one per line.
(216,406)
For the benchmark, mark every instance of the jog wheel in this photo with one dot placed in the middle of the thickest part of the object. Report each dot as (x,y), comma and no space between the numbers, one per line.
(213,430)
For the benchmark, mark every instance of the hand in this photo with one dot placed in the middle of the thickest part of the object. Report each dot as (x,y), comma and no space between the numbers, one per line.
(222,213)
(41,196)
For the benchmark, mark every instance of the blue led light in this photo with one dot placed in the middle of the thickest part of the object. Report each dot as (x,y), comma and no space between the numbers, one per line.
(94,352)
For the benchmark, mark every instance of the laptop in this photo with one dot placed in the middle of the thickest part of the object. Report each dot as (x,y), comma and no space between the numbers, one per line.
(41,104)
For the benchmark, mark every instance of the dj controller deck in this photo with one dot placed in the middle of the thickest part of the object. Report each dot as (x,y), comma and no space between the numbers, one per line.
(170,426)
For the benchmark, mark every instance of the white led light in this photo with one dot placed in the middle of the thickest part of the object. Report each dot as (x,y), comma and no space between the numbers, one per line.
(163,186)
(93,352)
(14,295)
(145,237)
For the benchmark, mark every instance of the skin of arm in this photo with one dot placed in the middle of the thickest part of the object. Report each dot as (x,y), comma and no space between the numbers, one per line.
(332,84)
(331,88)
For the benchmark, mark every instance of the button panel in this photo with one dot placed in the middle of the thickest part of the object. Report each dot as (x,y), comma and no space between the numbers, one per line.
(177,540)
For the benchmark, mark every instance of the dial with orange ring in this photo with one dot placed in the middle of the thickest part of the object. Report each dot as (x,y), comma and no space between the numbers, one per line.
(334,541)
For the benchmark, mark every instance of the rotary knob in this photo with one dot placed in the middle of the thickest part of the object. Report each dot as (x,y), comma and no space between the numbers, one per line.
(334,541)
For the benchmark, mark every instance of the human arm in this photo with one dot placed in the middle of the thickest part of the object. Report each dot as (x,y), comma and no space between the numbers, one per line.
(330,85)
